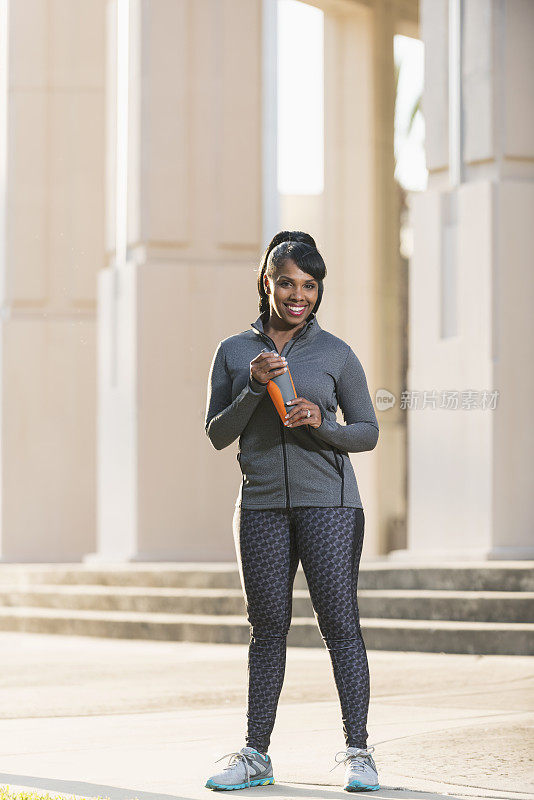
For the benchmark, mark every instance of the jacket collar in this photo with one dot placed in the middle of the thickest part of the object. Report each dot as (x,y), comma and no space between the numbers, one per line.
(310,329)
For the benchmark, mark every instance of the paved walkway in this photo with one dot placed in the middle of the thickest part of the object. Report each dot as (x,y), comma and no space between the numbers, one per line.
(129,718)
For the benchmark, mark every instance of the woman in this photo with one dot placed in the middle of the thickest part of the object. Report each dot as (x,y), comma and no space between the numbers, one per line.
(298,498)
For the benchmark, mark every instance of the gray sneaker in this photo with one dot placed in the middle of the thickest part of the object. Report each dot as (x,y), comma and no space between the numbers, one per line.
(246,768)
(361,774)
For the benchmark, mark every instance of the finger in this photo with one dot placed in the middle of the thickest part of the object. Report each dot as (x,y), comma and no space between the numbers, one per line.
(296,423)
(292,413)
(296,405)
(295,417)
(274,361)
(277,365)
(300,415)
(268,357)
(298,400)
(273,372)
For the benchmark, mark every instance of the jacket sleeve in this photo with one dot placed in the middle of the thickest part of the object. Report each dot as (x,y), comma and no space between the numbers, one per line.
(226,419)
(361,429)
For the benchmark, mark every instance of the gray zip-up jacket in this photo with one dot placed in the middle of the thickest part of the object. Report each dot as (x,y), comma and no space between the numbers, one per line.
(287,467)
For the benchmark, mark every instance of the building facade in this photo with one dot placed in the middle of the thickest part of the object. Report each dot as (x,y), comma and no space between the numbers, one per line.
(138,170)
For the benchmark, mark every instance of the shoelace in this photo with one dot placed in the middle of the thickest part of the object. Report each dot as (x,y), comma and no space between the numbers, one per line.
(234,758)
(347,757)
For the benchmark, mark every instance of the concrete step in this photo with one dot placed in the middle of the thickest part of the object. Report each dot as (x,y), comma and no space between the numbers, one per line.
(503,576)
(379,634)
(474,608)
(385,603)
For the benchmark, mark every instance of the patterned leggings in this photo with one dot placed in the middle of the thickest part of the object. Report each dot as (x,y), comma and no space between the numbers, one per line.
(328,541)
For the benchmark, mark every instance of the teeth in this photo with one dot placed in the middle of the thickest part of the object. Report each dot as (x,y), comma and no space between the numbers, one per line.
(296,308)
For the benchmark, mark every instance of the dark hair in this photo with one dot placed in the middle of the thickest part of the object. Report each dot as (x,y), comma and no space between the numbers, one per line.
(299,247)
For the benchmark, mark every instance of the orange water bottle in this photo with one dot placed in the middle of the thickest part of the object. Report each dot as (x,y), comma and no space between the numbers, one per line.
(281,389)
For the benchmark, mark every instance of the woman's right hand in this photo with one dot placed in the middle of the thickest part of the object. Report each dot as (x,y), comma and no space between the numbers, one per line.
(266,366)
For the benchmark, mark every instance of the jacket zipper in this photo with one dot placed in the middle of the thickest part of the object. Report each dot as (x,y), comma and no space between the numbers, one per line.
(282,431)
(288,505)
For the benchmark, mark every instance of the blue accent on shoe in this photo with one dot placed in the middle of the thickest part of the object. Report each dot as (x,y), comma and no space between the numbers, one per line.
(265,757)
(354,786)
(259,782)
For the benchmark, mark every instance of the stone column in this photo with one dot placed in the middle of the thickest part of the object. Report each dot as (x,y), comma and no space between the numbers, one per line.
(471,474)
(194,240)
(349,308)
(51,245)
(389,278)
(355,222)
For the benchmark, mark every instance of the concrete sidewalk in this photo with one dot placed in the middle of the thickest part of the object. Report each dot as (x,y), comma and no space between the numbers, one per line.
(133,718)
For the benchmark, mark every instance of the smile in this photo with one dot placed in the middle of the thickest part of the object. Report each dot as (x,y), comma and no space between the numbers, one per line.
(295,311)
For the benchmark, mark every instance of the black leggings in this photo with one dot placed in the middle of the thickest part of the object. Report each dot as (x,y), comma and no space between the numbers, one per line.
(328,541)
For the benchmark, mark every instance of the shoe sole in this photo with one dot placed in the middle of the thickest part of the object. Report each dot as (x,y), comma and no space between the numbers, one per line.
(259,782)
(360,787)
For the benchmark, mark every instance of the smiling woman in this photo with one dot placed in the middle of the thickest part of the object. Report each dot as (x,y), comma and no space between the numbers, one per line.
(298,498)
(291,286)
(300,249)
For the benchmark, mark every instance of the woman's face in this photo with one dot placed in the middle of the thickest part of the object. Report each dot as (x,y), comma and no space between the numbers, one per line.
(292,293)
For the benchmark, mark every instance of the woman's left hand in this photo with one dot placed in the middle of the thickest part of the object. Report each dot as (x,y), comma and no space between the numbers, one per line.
(298,413)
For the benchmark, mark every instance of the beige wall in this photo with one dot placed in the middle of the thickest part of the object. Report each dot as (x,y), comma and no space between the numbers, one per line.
(194,234)
(471,322)
(51,249)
